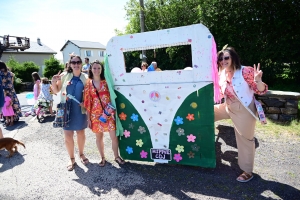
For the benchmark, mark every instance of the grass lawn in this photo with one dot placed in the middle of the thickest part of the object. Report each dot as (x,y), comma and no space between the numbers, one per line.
(278,129)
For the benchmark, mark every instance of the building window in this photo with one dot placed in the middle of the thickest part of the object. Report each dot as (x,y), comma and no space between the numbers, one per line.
(88,53)
(101,53)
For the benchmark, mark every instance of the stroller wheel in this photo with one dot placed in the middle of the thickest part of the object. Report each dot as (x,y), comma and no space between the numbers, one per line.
(40,114)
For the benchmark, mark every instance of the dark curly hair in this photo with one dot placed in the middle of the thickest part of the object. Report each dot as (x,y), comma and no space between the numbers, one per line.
(91,76)
(3,66)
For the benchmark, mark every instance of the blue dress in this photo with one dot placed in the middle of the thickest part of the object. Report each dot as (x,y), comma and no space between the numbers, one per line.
(78,121)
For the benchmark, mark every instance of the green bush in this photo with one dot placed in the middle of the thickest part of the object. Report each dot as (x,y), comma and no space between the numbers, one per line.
(24,71)
(12,63)
(53,66)
(18,85)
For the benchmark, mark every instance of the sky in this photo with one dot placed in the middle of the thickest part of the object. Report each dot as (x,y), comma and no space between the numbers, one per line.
(56,21)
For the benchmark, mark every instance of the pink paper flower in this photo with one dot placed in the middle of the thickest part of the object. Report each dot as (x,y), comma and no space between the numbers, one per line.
(127,133)
(143,154)
(191,138)
(177,157)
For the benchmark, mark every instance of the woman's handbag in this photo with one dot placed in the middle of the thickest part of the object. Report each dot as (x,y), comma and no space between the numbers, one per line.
(62,117)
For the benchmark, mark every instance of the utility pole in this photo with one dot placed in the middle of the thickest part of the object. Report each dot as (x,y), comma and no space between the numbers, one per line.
(142,23)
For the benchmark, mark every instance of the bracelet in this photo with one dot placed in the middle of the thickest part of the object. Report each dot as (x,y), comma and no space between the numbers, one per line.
(258,81)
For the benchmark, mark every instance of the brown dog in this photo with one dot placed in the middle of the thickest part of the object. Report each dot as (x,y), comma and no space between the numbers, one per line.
(9,144)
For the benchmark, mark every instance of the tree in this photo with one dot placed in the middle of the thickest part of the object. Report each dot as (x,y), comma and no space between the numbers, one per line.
(161,14)
(53,66)
(265,31)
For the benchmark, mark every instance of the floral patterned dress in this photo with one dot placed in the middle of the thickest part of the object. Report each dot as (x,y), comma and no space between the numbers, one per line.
(92,105)
(7,84)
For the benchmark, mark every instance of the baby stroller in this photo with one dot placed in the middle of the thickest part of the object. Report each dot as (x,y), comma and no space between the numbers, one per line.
(41,108)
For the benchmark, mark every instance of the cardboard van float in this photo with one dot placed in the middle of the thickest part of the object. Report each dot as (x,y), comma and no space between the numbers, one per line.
(167,116)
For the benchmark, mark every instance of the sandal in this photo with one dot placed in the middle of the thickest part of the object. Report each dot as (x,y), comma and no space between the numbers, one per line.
(84,161)
(71,166)
(103,162)
(119,160)
(245,177)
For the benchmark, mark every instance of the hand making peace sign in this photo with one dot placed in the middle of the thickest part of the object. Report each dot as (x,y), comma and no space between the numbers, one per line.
(57,77)
(257,73)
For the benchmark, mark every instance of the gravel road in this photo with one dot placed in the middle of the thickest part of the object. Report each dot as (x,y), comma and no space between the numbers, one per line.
(39,171)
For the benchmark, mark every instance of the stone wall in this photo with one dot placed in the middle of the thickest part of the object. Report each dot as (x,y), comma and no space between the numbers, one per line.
(279,105)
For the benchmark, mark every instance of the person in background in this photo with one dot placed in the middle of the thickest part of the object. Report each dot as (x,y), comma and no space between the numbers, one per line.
(72,82)
(1,104)
(144,67)
(37,85)
(7,83)
(45,94)
(96,100)
(66,66)
(155,66)
(7,109)
(238,85)
(86,66)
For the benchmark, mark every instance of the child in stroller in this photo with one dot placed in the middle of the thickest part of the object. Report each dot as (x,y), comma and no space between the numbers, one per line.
(44,101)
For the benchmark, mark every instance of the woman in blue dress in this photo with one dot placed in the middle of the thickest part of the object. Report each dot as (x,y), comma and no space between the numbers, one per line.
(72,82)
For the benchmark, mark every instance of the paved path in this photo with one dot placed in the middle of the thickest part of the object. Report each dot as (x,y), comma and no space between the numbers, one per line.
(39,171)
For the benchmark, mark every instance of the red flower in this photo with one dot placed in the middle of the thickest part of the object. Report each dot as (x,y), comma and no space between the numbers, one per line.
(122,116)
(190,117)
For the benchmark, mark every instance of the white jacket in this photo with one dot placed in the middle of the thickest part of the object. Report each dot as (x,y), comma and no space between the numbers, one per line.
(240,87)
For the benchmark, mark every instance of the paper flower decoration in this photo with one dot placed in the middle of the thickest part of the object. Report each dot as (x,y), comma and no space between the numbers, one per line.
(190,117)
(141,130)
(191,154)
(194,105)
(178,120)
(179,148)
(180,131)
(191,138)
(122,116)
(127,133)
(131,125)
(143,154)
(139,143)
(134,117)
(129,150)
(122,105)
(177,157)
(195,147)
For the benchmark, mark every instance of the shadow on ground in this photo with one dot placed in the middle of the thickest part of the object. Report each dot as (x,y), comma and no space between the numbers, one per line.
(17,125)
(9,163)
(184,182)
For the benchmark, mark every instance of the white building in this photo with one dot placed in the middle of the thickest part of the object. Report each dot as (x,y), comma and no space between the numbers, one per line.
(91,50)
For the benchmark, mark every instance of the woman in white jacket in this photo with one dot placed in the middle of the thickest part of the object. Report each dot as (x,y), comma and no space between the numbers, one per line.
(238,85)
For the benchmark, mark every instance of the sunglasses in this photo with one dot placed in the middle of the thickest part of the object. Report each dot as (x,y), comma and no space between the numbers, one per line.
(76,62)
(224,58)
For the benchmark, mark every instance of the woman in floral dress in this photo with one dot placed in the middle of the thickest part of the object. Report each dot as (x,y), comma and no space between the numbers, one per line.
(7,83)
(94,90)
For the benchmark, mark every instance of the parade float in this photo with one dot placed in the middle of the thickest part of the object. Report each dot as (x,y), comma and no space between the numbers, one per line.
(167,116)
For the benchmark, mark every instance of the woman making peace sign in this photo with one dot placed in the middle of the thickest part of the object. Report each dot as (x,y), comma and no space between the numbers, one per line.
(72,82)
(238,85)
